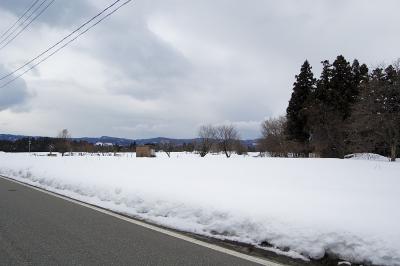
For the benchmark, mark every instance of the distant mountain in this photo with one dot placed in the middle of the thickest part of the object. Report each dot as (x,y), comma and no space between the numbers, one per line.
(249,142)
(106,139)
(127,142)
(119,141)
(9,137)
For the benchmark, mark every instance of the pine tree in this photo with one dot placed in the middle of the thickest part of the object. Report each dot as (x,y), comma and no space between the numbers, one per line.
(296,112)
(356,71)
(364,74)
(321,95)
(343,89)
(319,111)
(324,118)
(319,101)
(390,75)
(377,74)
(360,73)
(336,92)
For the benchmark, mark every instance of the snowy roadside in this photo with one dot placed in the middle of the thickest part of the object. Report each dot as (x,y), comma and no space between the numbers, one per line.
(312,206)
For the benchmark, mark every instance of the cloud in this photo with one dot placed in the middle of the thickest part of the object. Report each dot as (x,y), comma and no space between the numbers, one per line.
(164,67)
(14,95)
(59,14)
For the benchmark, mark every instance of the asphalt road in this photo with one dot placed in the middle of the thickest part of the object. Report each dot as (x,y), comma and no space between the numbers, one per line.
(40,229)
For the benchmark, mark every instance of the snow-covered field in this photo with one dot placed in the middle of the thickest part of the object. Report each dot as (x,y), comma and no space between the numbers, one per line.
(312,206)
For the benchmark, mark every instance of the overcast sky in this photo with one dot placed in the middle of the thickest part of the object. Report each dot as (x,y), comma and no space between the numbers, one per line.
(164,67)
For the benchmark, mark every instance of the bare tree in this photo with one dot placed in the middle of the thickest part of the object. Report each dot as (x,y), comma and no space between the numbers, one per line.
(376,116)
(63,141)
(273,127)
(227,137)
(51,149)
(273,137)
(207,138)
(241,148)
(167,147)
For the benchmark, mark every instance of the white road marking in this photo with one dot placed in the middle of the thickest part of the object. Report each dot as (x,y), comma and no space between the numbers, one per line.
(152,227)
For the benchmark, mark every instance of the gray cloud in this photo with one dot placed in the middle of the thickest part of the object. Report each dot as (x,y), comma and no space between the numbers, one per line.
(164,67)
(14,95)
(60,14)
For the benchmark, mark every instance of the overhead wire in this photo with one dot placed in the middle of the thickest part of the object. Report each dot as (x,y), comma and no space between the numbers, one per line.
(67,43)
(60,41)
(2,46)
(22,22)
(23,15)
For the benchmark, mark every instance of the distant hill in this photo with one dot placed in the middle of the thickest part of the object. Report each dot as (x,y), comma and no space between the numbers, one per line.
(9,137)
(127,142)
(118,141)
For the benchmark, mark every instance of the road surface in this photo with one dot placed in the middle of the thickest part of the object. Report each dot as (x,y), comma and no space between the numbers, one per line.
(40,229)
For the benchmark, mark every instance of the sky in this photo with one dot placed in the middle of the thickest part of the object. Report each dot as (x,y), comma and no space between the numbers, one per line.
(165,67)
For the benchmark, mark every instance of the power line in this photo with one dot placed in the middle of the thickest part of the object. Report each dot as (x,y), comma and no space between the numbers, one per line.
(23,15)
(29,23)
(70,41)
(23,22)
(63,39)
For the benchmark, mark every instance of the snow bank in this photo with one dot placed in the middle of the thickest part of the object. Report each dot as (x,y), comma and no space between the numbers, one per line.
(312,206)
(367,156)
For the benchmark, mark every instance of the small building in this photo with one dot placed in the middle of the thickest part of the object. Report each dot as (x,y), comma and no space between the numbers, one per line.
(145,151)
(101,144)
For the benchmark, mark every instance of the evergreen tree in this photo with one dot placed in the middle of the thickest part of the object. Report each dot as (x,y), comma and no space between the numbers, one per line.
(336,92)
(342,88)
(364,74)
(346,109)
(390,75)
(296,112)
(321,95)
(325,120)
(377,74)
(356,71)
(360,73)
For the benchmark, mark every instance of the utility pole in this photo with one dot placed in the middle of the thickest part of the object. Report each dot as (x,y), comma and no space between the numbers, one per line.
(29,145)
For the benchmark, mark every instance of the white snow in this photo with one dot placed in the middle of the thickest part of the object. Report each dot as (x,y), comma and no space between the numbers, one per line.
(312,206)
(367,156)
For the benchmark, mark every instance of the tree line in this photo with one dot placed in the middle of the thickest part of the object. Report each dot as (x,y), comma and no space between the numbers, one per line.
(348,109)
(212,139)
